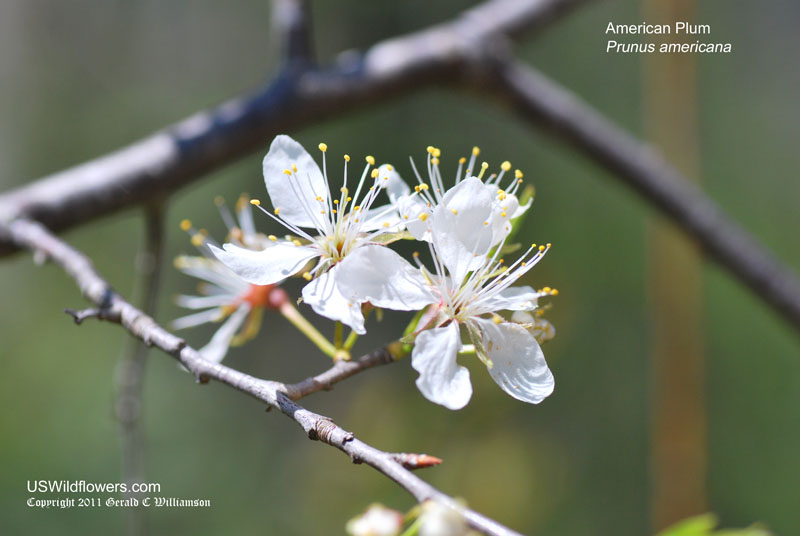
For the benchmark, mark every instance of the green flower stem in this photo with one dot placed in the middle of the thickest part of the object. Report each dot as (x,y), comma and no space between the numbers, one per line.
(337,335)
(413,529)
(350,341)
(294,316)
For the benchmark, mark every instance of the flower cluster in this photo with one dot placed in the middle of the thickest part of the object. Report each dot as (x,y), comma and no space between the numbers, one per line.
(338,241)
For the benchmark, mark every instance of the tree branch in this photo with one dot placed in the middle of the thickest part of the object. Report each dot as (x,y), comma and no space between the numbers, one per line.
(129,381)
(114,308)
(563,114)
(183,152)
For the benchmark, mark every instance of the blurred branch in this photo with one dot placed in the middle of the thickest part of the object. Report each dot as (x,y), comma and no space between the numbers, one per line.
(292,25)
(546,104)
(185,151)
(131,366)
(114,308)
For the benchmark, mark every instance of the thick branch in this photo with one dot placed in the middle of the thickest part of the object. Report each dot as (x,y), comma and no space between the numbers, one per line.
(114,308)
(210,139)
(546,104)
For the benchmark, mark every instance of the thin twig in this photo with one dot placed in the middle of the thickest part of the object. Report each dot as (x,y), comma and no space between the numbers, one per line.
(130,369)
(37,238)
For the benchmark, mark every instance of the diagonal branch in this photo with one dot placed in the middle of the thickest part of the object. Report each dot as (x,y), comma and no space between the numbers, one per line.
(185,151)
(544,103)
(113,308)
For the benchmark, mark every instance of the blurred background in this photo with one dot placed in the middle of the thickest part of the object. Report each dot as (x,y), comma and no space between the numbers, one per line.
(82,78)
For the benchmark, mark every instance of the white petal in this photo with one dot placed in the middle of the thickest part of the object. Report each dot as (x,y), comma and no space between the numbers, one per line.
(460,229)
(378,275)
(217,347)
(441,379)
(513,299)
(393,182)
(196,319)
(295,195)
(325,297)
(410,209)
(384,217)
(268,266)
(518,364)
(202,302)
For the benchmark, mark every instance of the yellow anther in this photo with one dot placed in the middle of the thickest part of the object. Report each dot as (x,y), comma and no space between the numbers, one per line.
(370,160)
(503,214)
(323,147)
(476,151)
(484,165)
(424,187)
(554,292)
(416,188)
(277,211)
(287,171)
(356,208)
(386,225)
(549,245)
(533,246)
(294,168)
(524,263)
(415,254)
(186,225)
(335,211)
(505,166)
(462,160)
(347,158)
(519,181)
(405,216)
(454,211)
(318,198)
(273,238)
(437,152)
(497,319)
(541,248)
(356,220)
(423,216)
(430,149)
(546,290)
(219,200)
(486,223)
(335,201)
(389,167)
(307,276)
(374,174)
(518,174)
(198,239)
(371,188)
(296,242)
(435,161)
(349,198)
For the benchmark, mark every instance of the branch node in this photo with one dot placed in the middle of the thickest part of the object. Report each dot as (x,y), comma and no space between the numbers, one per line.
(80,315)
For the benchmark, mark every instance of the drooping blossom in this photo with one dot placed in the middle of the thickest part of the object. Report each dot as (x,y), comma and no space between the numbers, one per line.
(377,520)
(469,285)
(223,294)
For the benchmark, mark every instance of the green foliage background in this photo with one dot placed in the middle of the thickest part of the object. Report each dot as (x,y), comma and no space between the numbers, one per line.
(81,78)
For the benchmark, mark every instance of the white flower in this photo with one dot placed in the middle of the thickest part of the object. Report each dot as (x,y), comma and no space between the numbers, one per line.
(328,229)
(223,293)
(467,286)
(418,209)
(438,519)
(376,521)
